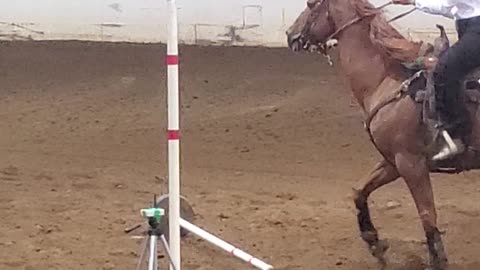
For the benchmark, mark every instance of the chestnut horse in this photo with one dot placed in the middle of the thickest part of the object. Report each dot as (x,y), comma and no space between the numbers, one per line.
(371,54)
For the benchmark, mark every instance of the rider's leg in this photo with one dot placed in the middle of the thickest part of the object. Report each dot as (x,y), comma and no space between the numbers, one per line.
(452,67)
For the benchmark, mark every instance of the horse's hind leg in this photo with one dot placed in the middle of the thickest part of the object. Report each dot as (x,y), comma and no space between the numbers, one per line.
(413,168)
(382,174)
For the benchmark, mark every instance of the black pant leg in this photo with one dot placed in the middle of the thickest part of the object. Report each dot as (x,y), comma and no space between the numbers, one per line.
(453,66)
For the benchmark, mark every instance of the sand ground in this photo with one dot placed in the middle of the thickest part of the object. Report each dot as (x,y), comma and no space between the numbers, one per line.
(270,150)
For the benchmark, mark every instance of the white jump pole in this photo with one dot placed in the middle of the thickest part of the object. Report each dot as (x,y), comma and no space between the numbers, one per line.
(173,136)
(224,245)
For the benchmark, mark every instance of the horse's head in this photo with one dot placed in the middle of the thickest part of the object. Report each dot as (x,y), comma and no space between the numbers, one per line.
(314,26)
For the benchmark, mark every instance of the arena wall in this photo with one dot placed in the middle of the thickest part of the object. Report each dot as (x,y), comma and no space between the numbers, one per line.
(207,22)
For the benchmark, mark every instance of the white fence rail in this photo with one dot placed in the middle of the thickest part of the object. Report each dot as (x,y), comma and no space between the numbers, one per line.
(206,22)
(200,34)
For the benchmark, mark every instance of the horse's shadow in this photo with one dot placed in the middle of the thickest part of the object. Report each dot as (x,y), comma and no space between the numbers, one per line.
(412,255)
(406,255)
(413,262)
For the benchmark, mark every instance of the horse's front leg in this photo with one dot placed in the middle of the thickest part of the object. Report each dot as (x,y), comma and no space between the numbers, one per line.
(413,168)
(382,174)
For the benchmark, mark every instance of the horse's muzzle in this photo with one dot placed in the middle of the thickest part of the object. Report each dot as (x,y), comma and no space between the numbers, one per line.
(295,42)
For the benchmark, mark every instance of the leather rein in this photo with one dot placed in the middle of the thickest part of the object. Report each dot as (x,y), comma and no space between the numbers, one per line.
(315,5)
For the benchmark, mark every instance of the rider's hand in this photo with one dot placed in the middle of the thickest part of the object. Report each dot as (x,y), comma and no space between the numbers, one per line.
(404,2)
(430,62)
(427,63)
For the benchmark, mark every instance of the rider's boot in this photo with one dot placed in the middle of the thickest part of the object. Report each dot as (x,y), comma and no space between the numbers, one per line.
(456,126)
(451,147)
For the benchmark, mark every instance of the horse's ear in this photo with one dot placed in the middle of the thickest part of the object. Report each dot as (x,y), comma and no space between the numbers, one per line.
(369,17)
(312,3)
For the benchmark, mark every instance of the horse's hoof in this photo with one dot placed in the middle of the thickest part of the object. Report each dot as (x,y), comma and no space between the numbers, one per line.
(380,248)
(437,266)
(443,265)
(378,251)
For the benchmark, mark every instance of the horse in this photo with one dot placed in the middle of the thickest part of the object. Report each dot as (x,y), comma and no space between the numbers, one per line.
(372,56)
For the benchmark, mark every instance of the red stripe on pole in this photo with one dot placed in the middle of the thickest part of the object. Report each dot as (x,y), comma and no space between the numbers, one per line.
(173,135)
(172,60)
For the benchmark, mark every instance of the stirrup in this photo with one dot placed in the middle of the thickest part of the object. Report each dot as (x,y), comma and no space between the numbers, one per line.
(452,147)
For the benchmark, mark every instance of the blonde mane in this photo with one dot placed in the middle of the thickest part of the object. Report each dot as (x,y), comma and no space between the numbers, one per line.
(393,45)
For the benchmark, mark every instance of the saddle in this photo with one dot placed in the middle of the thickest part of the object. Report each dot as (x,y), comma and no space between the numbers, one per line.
(420,87)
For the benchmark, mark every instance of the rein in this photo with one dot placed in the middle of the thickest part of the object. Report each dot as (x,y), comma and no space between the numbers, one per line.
(322,45)
(356,20)
(402,15)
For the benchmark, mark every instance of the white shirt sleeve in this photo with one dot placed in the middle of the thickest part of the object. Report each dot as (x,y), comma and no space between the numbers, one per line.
(445,8)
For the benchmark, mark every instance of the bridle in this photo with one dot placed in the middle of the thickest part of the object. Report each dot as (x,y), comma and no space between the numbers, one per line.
(316,5)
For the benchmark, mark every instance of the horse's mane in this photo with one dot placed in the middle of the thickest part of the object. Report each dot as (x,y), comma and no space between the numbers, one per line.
(390,42)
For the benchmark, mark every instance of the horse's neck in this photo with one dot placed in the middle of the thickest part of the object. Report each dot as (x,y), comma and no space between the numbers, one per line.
(362,64)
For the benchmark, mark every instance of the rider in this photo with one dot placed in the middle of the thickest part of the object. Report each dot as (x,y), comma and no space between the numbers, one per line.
(456,62)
